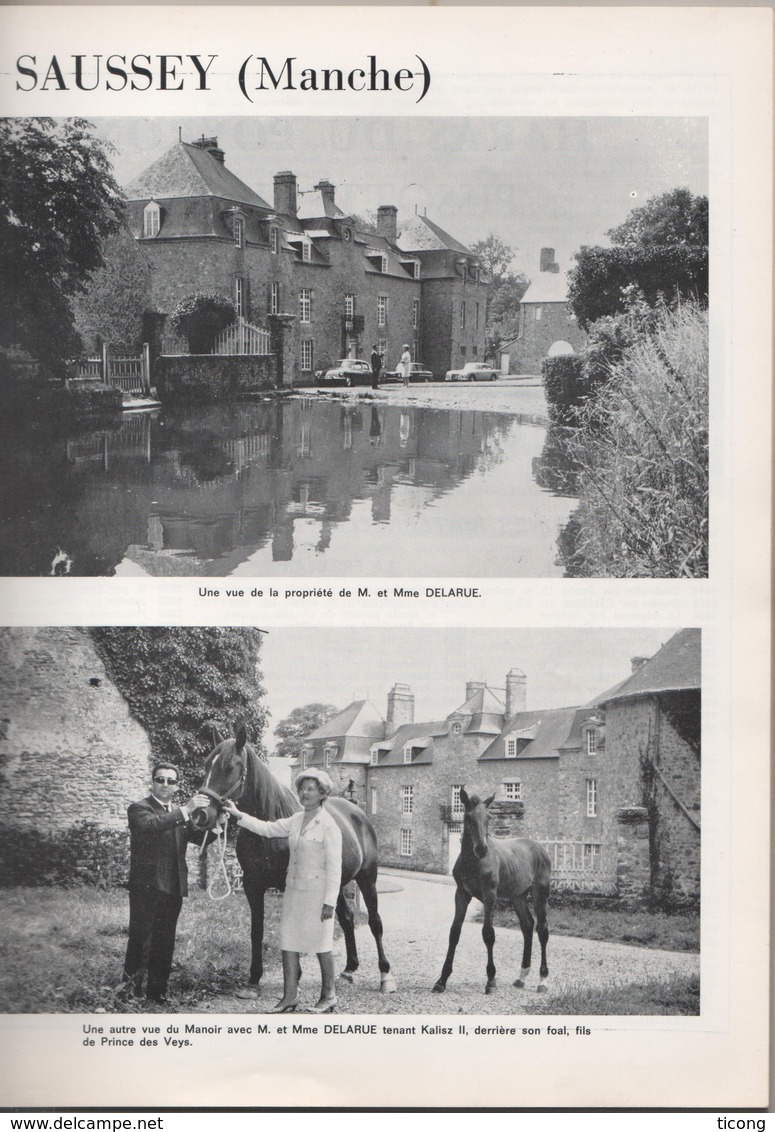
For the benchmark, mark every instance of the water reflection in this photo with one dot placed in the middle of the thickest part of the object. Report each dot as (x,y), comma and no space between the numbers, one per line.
(298,486)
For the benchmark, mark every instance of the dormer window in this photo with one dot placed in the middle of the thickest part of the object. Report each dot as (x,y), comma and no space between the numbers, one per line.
(511,748)
(151,219)
(375,756)
(274,241)
(591,741)
(239,231)
(383,264)
(456,728)
(408,753)
(306,251)
(306,756)
(347,234)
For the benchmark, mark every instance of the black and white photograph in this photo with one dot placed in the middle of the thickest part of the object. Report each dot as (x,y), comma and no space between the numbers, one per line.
(516,821)
(472,347)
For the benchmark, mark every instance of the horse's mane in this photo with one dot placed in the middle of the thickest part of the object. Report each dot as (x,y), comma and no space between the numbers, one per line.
(264,797)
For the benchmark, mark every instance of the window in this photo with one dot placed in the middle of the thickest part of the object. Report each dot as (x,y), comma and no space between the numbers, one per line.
(306,756)
(591,741)
(239,296)
(416,314)
(457,804)
(511,748)
(591,797)
(539,313)
(382,309)
(349,306)
(383,264)
(306,355)
(374,799)
(513,791)
(274,298)
(151,219)
(305,305)
(456,728)
(375,757)
(329,754)
(464,272)
(239,231)
(476,317)
(274,241)
(417,269)
(405,844)
(382,346)
(408,753)
(462,316)
(306,251)
(476,273)
(347,234)
(407,799)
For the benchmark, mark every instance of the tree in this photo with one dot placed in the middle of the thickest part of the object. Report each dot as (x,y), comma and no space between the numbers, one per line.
(200,318)
(294,729)
(176,679)
(661,250)
(506,291)
(58,203)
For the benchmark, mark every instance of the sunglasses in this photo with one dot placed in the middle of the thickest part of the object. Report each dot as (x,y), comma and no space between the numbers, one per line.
(166,781)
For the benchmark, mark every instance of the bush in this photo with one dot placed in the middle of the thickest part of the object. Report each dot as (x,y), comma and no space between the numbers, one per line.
(642,455)
(564,386)
(200,318)
(83,854)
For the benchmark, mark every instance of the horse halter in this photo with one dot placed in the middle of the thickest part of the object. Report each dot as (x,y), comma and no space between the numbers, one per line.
(234,791)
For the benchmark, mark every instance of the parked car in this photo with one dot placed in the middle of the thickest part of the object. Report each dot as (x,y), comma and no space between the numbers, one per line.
(473,371)
(417,372)
(347,371)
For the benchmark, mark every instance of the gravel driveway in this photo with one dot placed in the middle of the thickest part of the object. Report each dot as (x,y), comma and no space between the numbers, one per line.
(416,915)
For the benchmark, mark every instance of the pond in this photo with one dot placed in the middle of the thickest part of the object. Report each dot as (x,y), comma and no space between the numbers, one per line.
(301,486)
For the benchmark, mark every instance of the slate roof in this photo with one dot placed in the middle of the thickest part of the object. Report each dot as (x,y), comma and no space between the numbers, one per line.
(421,235)
(359,718)
(188,171)
(677,667)
(314,205)
(486,712)
(547,287)
(421,732)
(575,738)
(551,730)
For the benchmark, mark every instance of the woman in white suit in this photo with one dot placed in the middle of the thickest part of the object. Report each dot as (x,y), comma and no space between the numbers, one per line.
(311,885)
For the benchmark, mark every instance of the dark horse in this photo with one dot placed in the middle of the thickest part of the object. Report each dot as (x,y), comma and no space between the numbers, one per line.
(498,869)
(234,770)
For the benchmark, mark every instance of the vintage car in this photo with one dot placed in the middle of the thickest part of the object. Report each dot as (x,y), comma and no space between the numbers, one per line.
(417,372)
(347,371)
(473,371)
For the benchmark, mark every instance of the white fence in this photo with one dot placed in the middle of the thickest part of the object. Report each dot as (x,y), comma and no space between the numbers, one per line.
(242,338)
(129,374)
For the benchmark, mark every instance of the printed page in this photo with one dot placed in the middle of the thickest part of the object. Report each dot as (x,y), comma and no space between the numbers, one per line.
(518,631)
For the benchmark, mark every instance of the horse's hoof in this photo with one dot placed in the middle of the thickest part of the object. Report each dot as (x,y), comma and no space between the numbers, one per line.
(542,988)
(439,988)
(519,983)
(348,976)
(490,988)
(248,992)
(387,984)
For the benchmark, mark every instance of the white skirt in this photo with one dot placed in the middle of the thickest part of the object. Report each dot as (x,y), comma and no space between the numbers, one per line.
(301,928)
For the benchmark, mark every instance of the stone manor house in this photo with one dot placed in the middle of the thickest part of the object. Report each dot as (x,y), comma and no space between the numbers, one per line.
(612,788)
(301,259)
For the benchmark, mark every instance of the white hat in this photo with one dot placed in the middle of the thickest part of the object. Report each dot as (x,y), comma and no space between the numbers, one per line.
(323,780)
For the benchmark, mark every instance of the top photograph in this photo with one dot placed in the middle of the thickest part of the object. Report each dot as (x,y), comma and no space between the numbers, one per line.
(354,347)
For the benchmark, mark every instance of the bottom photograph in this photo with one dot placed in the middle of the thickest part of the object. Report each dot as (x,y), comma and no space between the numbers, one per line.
(349,821)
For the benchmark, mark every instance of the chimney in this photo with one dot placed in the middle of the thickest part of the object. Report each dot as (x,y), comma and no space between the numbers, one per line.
(400,707)
(285,193)
(638,661)
(387,222)
(210,145)
(547,261)
(473,686)
(326,190)
(516,691)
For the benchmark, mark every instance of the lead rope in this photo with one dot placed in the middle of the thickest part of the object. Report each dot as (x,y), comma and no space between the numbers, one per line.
(220,869)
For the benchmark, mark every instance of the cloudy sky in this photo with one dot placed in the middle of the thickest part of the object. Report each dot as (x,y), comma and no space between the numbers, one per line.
(564,667)
(535,182)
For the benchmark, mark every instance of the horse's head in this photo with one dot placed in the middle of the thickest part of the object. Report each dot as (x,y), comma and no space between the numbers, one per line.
(476,821)
(226,771)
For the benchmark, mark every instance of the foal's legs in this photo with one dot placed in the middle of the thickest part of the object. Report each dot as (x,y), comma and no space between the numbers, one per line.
(488,935)
(368,886)
(526,922)
(462,900)
(540,899)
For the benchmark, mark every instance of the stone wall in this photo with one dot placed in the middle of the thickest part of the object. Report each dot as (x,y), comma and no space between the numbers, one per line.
(556,324)
(212,377)
(69,749)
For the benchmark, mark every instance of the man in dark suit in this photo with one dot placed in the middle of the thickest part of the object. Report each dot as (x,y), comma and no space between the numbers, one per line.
(376,367)
(158,881)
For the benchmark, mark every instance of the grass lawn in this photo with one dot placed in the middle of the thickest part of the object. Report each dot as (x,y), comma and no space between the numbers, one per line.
(666,931)
(62,950)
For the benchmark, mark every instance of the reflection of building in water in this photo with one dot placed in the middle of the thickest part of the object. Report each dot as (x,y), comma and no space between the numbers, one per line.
(200,491)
